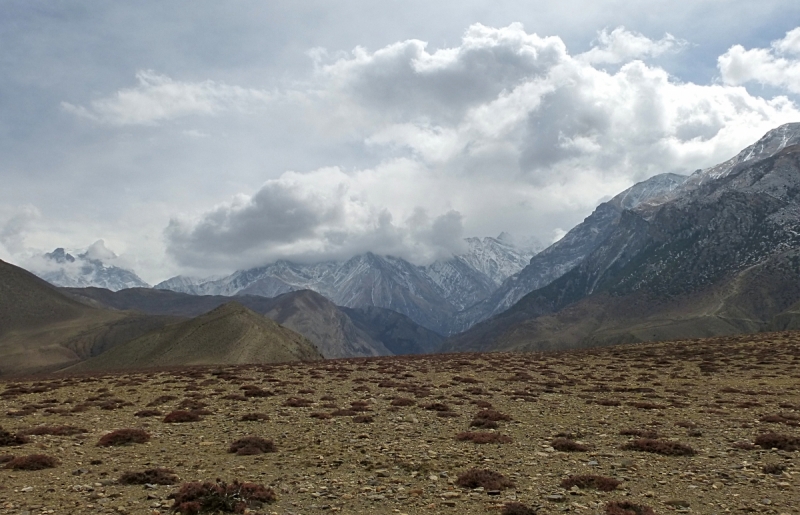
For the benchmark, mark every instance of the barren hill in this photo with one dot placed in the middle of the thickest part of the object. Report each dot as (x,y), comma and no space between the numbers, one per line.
(230,334)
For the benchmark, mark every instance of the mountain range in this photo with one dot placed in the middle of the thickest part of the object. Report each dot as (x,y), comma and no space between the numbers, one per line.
(719,254)
(713,253)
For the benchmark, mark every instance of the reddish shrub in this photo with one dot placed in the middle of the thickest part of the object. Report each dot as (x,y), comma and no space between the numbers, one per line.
(147,413)
(180,416)
(297,402)
(491,415)
(363,419)
(447,414)
(123,437)
(590,481)
(488,479)
(32,462)
(627,508)
(197,497)
(5,458)
(476,437)
(321,415)
(157,476)
(663,447)
(254,417)
(9,439)
(250,445)
(773,468)
(161,400)
(403,401)
(567,445)
(517,508)
(436,406)
(778,441)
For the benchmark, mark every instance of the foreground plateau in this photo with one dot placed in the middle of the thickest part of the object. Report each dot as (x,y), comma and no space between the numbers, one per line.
(379,435)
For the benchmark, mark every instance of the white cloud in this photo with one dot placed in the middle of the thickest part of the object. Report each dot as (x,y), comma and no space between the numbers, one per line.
(13,230)
(322,215)
(775,66)
(159,98)
(621,45)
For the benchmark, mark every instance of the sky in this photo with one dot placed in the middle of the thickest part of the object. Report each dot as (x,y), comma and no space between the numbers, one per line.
(203,137)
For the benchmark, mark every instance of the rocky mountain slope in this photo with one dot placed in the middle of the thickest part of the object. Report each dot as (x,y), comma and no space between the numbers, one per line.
(428,295)
(569,251)
(228,335)
(335,331)
(88,268)
(703,260)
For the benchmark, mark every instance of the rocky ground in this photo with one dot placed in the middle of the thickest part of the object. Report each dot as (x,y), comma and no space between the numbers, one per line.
(379,435)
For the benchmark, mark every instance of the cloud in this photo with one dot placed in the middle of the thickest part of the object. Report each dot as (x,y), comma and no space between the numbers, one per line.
(621,45)
(158,98)
(12,232)
(323,215)
(777,66)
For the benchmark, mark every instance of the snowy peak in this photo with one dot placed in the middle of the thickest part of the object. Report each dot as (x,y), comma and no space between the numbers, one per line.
(429,295)
(85,268)
(651,190)
(770,144)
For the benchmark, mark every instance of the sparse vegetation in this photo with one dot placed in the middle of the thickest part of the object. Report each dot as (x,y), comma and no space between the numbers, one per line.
(589,481)
(123,437)
(480,438)
(663,447)
(251,445)
(484,478)
(219,497)
(627,508)
(32,462)
(568,445)
(156,476)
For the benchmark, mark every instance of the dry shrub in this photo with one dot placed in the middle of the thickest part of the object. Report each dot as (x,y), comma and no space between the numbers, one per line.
(447,414)
(478,437)
(403,401)
(156,476)
(10,439)
(745,446)
(55,430)
(321,415)
(123,437)
(627,508)
(778,441)
(590,481)
(517,508)
(773,468)
(148,413)
(363,419)
(663,447)
(250,445)
(567,445)
(343,413)
(32,462)
(493,415)
(180,416)
(488,479)
(5,458)
(254,417)
(607,402)
(436,406)
(297,402)
(207,497)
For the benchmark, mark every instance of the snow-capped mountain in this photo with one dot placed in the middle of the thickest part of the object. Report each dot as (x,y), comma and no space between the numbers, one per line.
(85,268)
(565,254)
(429,295)
(720,254)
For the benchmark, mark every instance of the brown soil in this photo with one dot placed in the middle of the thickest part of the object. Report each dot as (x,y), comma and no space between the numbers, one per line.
(715,396)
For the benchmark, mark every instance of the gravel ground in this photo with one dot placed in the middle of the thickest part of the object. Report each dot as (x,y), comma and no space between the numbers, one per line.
(713,396)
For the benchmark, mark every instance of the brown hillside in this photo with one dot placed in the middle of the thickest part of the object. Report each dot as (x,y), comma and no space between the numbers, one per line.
(230,334)
(43,330)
